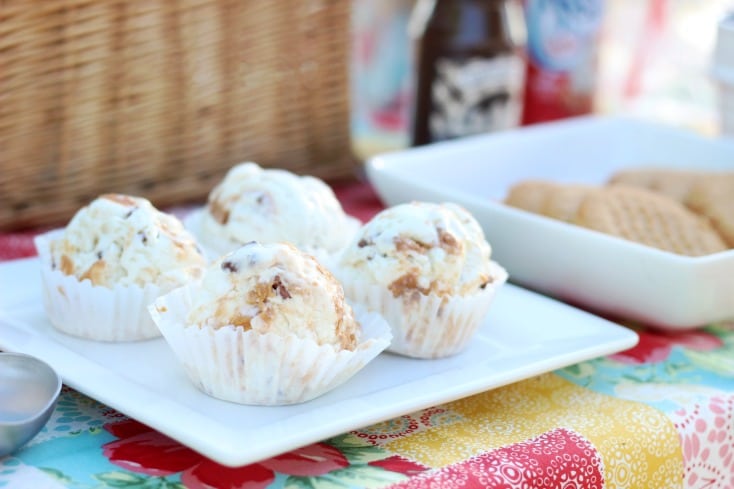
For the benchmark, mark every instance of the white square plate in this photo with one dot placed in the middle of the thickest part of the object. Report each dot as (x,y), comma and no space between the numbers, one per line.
(604,273)
(525,334)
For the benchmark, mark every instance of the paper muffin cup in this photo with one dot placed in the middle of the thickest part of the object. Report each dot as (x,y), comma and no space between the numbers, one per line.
(247,367)
(426,326)
(79,308)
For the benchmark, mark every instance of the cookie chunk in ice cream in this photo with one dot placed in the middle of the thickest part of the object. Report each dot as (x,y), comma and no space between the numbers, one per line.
(272,205)
(275,288)
(427,269)
(123,240)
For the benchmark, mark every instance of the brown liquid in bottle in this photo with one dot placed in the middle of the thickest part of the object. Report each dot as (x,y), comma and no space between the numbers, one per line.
(468,72)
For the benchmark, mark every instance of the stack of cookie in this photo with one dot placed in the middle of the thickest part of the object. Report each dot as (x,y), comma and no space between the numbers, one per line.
(685,212)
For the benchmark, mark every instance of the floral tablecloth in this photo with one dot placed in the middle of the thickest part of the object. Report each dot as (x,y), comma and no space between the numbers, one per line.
(659,415)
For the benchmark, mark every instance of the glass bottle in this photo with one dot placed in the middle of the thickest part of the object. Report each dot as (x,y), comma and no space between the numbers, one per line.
(469,73)
(562,52)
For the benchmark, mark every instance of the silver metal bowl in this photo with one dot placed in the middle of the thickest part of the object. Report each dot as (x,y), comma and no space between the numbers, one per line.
(29,389)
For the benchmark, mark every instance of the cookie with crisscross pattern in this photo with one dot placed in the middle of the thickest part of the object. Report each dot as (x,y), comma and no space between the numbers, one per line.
(649,218)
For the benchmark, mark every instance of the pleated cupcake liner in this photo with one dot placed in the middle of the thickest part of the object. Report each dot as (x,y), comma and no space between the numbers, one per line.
(426,326)
(79,308)
(247,367)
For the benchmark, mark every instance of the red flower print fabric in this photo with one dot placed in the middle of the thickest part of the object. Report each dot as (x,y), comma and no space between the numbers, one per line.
(145,451)
(559,458)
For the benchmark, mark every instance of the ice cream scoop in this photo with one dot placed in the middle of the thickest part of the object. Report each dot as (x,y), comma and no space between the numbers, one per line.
(29,389)
(421,246)
(275,288)
(121,239)
(272,205)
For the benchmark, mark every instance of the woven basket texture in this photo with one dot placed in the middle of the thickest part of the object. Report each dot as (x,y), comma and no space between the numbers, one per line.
(158,98)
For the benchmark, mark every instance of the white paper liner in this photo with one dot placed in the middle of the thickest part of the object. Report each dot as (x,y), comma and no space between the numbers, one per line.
(426,326)
(82,309)
(246,367)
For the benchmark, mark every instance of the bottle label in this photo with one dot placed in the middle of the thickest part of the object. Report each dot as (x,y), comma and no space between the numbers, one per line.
(474,96)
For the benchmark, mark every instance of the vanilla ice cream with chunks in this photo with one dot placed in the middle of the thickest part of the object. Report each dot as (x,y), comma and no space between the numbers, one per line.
(273,205)
(123,240)
(275,288)
(431,248)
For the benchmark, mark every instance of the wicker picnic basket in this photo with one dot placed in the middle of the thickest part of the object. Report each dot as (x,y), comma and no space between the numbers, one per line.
(158,98)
